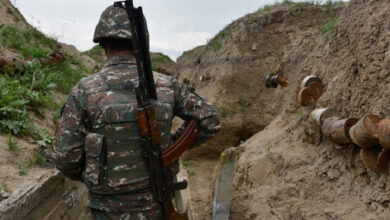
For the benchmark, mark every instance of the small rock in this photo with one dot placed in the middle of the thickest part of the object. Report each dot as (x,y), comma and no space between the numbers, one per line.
(333,174)
(3,195)
(254,47)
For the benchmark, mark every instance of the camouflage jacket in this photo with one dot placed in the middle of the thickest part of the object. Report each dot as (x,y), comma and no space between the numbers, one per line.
(82,121)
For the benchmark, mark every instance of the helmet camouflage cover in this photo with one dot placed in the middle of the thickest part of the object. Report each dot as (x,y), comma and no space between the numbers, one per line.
(114,23)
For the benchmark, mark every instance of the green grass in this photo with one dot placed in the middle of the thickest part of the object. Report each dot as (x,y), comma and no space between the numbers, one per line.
(23,169)
(14,103)
(67,74)
(27,42)
(329,26)
(31,89)
(38,159)
(93,49)
(216,46)
(157,58)
(216,42)
(226,111)
(327,4)
(12,145)
(268,149)
(186,165)
(243,101)
(4,189)
(295,4)
(191,172)
(44,138)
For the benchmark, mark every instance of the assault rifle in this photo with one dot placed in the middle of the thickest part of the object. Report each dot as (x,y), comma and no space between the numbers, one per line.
(161,182)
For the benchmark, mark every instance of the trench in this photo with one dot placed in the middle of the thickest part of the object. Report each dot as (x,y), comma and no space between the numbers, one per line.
(52,196)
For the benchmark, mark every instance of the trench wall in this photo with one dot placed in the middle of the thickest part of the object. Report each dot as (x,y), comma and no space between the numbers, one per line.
(50,196)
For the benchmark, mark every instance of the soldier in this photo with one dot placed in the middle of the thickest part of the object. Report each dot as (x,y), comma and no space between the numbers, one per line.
(97,138)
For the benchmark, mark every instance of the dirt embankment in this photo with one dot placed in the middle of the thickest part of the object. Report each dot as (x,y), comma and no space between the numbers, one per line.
(288,171)
(18,167)
(230,71)
(11,16)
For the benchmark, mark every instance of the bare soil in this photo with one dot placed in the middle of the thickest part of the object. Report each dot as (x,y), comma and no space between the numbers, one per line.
(287,170)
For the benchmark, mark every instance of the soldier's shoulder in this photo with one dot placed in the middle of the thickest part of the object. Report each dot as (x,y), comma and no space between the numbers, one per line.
(92,83)
(163,80)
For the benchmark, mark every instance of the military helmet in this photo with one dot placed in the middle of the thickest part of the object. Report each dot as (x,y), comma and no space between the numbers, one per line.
(114,23)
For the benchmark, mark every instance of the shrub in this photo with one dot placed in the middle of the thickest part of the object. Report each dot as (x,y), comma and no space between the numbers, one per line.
(31,88)
(13,101)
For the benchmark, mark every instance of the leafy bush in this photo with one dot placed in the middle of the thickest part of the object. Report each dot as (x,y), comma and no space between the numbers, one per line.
(31,88)
(13,101)
(66,74)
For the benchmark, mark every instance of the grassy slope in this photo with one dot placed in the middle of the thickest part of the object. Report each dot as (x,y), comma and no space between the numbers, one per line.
(32,88)
(30,102)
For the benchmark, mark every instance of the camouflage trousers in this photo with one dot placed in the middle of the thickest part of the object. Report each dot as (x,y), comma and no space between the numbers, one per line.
(147,215)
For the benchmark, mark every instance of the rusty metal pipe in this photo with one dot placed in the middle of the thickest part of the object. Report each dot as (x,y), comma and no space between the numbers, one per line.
(307,96)
(365,132)
(375,158)
(273,80)
(310,79)
(320,114)
(384,133)
(338,131)
(327,126)
(318,88)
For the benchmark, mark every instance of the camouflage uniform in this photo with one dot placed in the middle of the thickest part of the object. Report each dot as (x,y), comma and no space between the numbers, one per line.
(97,138)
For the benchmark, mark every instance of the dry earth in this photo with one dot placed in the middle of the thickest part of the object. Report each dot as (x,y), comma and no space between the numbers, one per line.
(287,170)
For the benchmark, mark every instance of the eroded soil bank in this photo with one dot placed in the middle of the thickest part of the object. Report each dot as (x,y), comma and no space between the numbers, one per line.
(287,170)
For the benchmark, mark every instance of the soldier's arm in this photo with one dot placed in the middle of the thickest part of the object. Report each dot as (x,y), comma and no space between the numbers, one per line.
(190,106)
(68,153)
